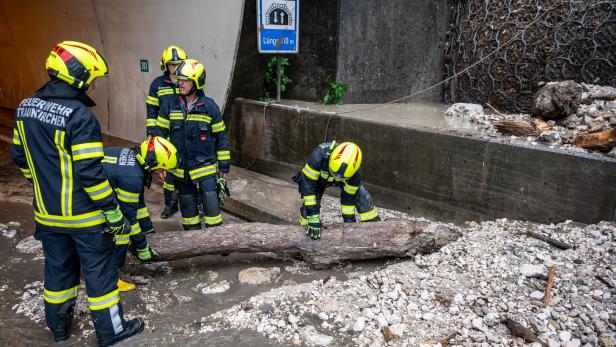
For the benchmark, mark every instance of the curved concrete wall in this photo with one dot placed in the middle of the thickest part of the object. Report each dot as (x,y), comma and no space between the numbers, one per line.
(125,32)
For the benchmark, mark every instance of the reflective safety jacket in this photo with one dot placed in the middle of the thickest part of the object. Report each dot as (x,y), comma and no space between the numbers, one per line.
(315,177)
(57,145)
(162,90)
(199,136)
(127,178)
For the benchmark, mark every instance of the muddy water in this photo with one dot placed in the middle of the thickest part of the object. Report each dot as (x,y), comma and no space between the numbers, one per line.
(168,295)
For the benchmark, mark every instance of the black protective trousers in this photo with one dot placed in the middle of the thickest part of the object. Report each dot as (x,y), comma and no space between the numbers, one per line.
(188,192)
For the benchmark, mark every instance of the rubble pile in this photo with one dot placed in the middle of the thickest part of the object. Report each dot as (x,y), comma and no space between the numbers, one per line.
(463,294)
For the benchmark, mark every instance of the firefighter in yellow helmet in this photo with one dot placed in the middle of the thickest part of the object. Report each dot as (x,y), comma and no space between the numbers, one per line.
(57,145)
(333,164)
(195,127)
(129,170)
(162,90)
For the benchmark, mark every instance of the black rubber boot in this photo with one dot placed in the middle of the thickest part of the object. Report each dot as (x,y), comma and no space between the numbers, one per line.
(171,204)
(133,327)
(168,212)
(62,330)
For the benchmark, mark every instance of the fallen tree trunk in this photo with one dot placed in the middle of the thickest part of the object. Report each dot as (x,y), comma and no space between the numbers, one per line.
(520,127)
(601,140)
(340,242)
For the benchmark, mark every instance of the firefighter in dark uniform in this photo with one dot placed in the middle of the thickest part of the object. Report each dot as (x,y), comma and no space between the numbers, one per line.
(128,173)
(163,89)
(333,164)
(195,127)
(57,144)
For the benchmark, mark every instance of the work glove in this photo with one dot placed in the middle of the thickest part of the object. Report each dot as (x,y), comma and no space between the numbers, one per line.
(222,190)
(147,255)
(314,227)
(115,222)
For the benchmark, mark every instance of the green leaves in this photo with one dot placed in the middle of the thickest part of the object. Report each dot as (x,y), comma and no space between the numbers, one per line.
(269,86)
(335,93)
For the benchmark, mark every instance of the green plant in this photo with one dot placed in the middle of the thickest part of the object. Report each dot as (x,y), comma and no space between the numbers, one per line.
(269,85)
(336,91)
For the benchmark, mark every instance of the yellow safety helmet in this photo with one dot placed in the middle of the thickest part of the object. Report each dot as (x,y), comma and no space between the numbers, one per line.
(172,54)
(76,64)
(345,160)
(157,153)
(191,69)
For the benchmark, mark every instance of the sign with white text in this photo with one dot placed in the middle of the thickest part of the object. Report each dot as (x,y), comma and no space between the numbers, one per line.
(278,26)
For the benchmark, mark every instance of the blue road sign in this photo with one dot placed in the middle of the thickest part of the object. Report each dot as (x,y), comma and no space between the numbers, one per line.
(278,26)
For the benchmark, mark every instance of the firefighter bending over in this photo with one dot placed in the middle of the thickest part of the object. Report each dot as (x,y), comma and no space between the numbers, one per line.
(333,164)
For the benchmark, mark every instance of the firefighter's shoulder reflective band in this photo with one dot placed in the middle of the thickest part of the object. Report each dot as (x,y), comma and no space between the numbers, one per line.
(218,127)
(191,220)
(310,172)
(366,216)
(223,155)
(150,100)
(126,196)
(350,189)
(199,118)
(162,122)
(213,220)
(348,209)
(87,150)
(142,213)
(203,171)
(99,191)
(123,239)
(107,300)
(74,221)
(61,296)
(310,200)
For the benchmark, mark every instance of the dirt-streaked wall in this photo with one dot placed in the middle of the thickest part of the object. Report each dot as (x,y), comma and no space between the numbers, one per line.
(125,32)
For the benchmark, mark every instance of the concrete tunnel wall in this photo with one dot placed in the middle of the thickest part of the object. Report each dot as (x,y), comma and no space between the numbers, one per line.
(125,32)
(426,173)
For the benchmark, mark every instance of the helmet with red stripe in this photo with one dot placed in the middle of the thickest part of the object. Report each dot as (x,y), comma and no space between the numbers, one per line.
(76,64)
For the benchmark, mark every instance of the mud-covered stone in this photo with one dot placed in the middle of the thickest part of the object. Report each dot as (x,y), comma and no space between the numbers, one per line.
(557,100)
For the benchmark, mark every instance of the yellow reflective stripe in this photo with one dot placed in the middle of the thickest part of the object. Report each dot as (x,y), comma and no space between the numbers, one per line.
(16,140)
(213,220)
(164,91)
(223,155)
(150,122)
(350,189)
(87,150)
(310,200)
(176,116)
(66,170)
(135,229)
(142,213)
(310,172)
(123,239)
(324,174)
(38,196)
(74,221)
(162,122)
(99,191)
(218,127)
(26,172)
(110,160)
(177,173)
(202,171)
(168,186)
(126,196)
(199,118)
(107,300)
(151,100)
(60,296)
(366,216)
(191,220)
(347,209)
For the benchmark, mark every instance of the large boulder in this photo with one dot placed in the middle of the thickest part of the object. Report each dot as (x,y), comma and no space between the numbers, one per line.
(258,275)
(557,100)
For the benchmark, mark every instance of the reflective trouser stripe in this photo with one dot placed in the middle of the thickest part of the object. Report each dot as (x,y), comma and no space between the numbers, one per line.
(122,239)
(60,296)
(135,229)
(348,209)
(310,200)
(142,213)
(310,172)
(366,216)
(38,196)
(116,321)
(191,220)
(213,220)
(168,186)
(350,189)
(107,300)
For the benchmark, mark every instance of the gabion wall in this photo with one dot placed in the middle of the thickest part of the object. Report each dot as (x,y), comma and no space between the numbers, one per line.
(570,40)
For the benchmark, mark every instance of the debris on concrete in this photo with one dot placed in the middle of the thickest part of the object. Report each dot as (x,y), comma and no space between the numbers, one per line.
(258,275)
(464,110)
(30,245)
(217,288)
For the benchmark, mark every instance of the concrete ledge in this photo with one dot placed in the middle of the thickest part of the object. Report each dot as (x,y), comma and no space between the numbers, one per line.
(438,175)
